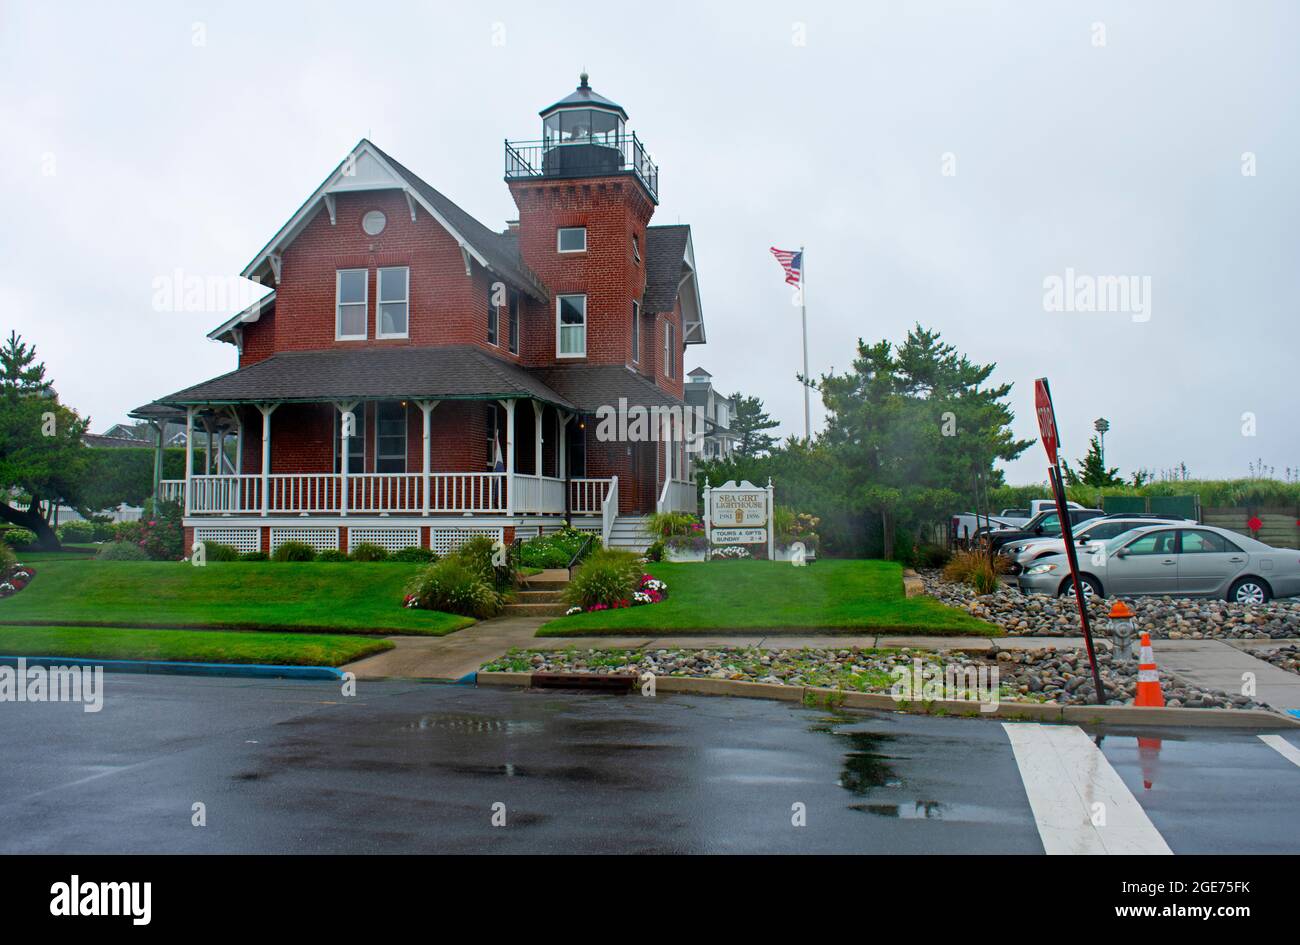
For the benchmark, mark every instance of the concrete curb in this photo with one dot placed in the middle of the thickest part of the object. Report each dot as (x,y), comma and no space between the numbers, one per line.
(912,584)
(170,668)
(1014,711)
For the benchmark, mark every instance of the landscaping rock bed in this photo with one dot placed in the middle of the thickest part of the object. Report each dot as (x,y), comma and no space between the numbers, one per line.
(1288,658)
(1049,676)
(1163,617)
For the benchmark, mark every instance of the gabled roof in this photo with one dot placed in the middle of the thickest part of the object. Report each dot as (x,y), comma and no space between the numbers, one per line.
(670,274)
(231,330)
(368,168)
(450,372)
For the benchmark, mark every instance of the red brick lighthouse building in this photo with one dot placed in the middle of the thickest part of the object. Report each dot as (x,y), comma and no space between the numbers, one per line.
(415,376)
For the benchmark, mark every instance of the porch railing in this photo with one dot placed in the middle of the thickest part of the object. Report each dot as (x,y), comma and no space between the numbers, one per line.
(378,493)
(587,496)
(679,495)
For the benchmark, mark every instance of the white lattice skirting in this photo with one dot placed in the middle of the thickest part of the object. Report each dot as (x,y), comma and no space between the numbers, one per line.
(322,539)
(446,540)
(241,539)
(390,539)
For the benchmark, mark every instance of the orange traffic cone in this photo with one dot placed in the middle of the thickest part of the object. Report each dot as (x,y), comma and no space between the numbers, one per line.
(1148,691)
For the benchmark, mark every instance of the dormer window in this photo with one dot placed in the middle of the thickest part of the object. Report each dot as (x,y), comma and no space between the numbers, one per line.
(571,239)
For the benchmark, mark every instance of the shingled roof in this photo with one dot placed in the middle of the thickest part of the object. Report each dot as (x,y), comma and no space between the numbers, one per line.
(665,264)
(451,372)
(591,386)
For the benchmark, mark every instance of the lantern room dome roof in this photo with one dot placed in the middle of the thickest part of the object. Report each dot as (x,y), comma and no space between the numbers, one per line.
(584,96)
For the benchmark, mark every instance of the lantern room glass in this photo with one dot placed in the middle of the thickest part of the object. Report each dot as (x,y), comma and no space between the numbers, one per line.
(582,126)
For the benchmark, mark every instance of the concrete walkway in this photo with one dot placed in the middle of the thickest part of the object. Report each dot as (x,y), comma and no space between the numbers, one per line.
(452,656)
(1213,664)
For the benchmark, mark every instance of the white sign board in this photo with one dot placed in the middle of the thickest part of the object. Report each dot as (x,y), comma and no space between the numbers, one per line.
(739,536)
(739,514)
(735,508)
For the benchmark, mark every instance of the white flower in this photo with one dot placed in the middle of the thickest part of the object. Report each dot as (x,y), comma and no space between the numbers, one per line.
(572,610)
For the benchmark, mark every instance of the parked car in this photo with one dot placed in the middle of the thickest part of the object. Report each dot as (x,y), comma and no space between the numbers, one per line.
(1092,532)
(1046,524)
(1178,560)
(968,525)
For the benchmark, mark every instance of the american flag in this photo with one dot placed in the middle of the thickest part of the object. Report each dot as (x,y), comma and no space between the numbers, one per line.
(792,262)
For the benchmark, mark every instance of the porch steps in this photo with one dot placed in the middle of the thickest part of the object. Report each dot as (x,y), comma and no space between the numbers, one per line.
(540,595)
(533,610)
(630,533)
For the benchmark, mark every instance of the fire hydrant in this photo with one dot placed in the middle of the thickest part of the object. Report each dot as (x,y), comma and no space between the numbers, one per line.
(1122,627)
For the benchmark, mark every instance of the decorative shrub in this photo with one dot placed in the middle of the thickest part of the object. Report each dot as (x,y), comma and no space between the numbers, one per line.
(294,551)
(414,554)
(555,550)
(254,556)
(477,553)
(931,556)
(656,551)
(369,551)
(128,531)
(667,524)
(121,551)
(103,531)
(792,526)
(331,554)
(454,585)
(77,533)
(162,536)
(14,576)
(607,578)
(973,568)
(19,538)
(7,559)
(688,542)
(215,551)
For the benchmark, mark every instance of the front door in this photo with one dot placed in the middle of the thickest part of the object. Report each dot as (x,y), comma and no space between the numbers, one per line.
(1148,566)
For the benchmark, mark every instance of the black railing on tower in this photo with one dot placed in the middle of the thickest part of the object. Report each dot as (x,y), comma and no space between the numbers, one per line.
(592,157)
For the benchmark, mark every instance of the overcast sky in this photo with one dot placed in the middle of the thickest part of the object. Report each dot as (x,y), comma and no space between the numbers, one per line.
(1104,138)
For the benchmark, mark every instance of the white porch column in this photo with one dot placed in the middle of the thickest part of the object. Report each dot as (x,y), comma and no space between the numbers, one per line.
(347,420)
(537,439)
(426,409)
(267,410)
(510,455)
(189,460)
(562,419)
(221,451)
(207,456)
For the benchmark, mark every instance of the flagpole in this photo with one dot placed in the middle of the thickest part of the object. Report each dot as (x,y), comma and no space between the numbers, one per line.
(803,303)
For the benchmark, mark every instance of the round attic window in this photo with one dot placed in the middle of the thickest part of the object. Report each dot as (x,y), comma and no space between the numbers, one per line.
(374,222)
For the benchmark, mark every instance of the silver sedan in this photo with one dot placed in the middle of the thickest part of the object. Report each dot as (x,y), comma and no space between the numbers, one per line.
(1199,561)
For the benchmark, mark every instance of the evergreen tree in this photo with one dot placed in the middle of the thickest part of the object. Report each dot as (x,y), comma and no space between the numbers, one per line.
(20,372)
(1092,471)
(749,425)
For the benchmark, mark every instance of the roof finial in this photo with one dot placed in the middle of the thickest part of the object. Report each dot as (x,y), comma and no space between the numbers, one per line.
(582,79)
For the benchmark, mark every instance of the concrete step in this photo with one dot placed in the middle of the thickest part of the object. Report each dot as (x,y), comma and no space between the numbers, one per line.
(533,610)
(532,596)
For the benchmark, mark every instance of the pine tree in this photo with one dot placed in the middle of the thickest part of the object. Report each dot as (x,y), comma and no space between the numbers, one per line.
(1092,471)
(20,372)
(749,423)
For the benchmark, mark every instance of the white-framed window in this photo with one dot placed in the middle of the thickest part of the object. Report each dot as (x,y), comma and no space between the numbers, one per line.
(636,332)
(570,326)
(668,349)
(571,239)
(394,302)
(636,248)
(351,288)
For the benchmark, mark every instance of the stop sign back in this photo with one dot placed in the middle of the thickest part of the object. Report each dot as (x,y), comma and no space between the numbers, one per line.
(1046,418)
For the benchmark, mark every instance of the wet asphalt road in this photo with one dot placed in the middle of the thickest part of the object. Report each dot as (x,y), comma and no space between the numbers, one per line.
(407,767)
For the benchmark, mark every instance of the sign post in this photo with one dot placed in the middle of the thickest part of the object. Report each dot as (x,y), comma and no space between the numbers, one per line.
(738,514)
(1051,443)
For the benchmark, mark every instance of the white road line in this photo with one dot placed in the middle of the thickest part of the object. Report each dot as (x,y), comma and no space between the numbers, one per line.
(1282,747)
(1066,777)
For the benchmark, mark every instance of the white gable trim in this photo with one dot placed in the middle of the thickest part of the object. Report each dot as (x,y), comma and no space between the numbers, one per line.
(234,325)
(692,308)
(364,169)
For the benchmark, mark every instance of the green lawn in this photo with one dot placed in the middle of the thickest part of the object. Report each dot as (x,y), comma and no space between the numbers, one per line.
(830,595)
(344,597)
(191,646)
